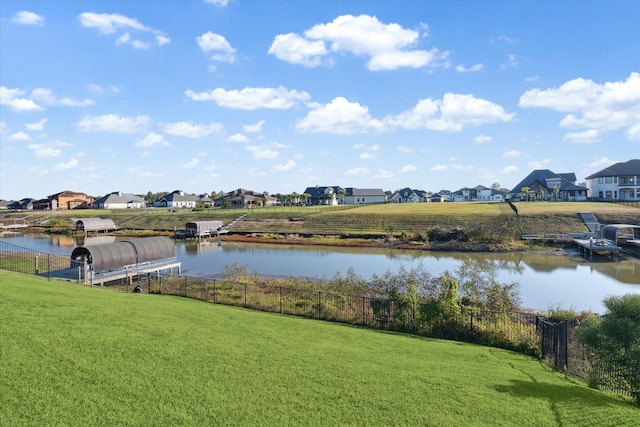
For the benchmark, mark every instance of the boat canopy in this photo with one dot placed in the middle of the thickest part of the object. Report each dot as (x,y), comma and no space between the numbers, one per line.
(95,224)
(124,253)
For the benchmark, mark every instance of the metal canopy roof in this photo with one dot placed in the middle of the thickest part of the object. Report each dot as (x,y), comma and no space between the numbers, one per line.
(95,224)
(126,252)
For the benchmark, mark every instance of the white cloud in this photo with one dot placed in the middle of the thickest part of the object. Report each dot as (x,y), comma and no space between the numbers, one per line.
(339,117)
(512,62)
(252,98)
(405,150)
(474,68)
(37,126)
(290,165)
(192,130)
(388,46)
(27,18)
(219,3)
(152,139)
(451,114)
(137,44)
(589,136)
(238,137)
(482,139)
(3,127)
(594,107)
(298,50)
(217,47)
(509,169)
(539,164)
(511,154)
(367,156)
(72,163)
(255,128)
(12,98)
(384,174)
(47,97)
(262,152)
(162,40)
(602,162)
(113,123)
(408,168)
(357,172)
(190,164)
(20,136)
(438,168)
(107,23)
(48,150)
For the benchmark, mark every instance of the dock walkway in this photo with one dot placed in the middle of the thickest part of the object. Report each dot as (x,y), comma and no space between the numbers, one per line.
(602,246)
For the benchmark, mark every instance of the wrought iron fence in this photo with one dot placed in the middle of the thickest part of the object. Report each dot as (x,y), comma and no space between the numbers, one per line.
(28,261)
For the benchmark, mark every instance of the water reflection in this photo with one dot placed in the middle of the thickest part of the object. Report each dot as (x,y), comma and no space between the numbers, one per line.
(545,279)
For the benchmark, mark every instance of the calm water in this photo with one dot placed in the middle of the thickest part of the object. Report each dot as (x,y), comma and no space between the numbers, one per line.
(546,280)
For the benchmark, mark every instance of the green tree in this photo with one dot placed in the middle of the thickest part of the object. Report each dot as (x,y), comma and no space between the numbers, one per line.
(615,339)
(524,191)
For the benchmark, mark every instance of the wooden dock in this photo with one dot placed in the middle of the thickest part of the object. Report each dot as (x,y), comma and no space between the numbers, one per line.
(598,246)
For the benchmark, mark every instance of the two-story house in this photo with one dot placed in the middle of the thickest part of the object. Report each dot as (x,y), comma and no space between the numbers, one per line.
(620,181)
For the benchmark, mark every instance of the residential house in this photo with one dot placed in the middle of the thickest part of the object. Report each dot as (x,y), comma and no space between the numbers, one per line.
(543,184)
(620,181)
(407,195)
(242,198)
(436,198)
(357,196)
(324,195)
(119,200)
(205,200)
(177,199)
(23,204)
(66,200)
(477,193)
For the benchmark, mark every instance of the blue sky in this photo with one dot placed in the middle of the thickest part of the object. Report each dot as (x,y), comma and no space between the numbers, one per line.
(276,96)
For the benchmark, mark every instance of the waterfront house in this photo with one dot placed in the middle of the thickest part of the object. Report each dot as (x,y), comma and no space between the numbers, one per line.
(408,195)
(543,184)
(620,181)
(119,200)
(178,199)
(358,196)
(324,195)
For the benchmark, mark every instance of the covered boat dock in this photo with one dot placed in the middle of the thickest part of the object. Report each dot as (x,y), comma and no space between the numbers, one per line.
(125,260)
(94,225)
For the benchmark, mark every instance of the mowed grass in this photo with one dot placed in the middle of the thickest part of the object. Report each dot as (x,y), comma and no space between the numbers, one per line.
(76,356)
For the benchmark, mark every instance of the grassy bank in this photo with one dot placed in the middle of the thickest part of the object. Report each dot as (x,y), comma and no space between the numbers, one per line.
(73,355)
(415,223)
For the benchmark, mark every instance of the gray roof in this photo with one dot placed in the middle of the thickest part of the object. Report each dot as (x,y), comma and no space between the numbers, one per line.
(95,224)
(318,192)
(542,175)
(629,168)
(365,192)
(119,254)
(118,197)
(180,196)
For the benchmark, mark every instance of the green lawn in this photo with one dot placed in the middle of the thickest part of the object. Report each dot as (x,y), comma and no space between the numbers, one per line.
(72,355)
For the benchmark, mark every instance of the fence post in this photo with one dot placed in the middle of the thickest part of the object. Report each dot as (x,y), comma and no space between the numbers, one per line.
(319,305)
(280,299)
(245,295)
(185,286)
(214,291)
(36,266)
(364,321)
(49,266)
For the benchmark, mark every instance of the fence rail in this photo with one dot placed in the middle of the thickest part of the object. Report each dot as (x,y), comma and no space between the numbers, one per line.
(523,332)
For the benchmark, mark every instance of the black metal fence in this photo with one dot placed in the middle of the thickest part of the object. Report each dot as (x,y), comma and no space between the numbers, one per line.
(28,261)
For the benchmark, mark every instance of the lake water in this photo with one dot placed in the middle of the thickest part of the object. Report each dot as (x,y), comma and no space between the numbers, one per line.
(546,280)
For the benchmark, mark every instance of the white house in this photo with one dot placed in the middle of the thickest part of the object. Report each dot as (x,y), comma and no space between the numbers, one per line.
(119,200)
(358,196)
(620,181)
(178,199)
